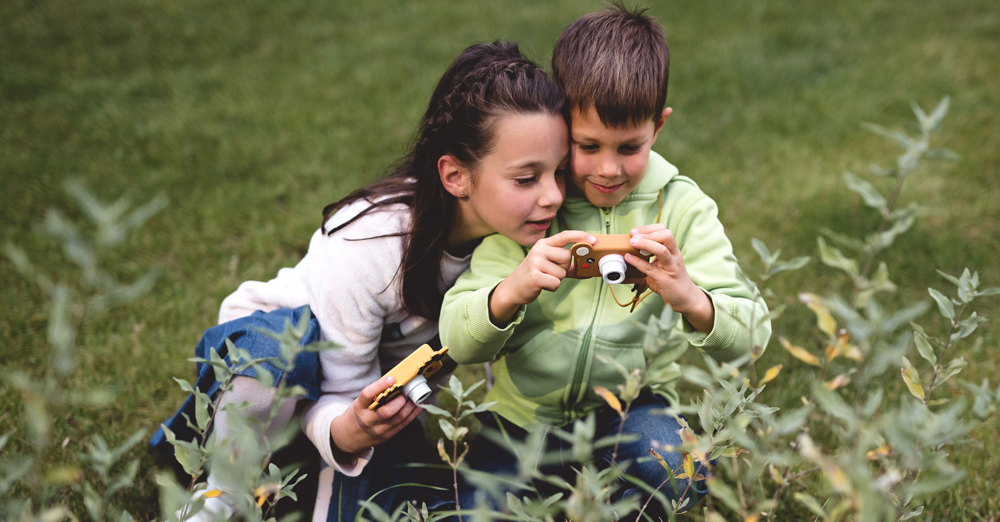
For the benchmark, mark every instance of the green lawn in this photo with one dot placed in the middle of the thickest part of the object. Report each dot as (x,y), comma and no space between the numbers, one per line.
(252,115)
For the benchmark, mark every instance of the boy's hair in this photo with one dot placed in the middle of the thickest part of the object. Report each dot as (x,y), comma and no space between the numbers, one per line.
(616,61)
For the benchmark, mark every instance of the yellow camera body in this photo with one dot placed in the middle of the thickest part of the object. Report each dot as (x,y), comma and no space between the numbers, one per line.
(411,376)
(606,260)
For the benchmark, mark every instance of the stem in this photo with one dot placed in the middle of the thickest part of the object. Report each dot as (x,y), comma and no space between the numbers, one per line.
(874,250)
(937,367)
(621,426)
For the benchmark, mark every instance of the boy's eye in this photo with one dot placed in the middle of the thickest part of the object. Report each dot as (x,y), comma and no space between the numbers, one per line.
(629,150)
(588,147)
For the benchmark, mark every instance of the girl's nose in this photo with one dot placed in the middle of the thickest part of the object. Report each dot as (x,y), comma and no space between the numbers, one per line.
(553,193)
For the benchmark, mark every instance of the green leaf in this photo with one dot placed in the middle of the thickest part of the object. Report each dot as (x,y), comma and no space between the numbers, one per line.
(793,264)
(765,254)
(934,120)
(901,138)
(924,347)
(944,304)
(721,491)
(867,192)
(434,410)
(808,501)
(954,280)
(953,368)
(831,402)
(447,428)
(834,258)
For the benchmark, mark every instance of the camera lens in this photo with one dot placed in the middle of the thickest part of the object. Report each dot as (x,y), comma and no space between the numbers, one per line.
(612,267)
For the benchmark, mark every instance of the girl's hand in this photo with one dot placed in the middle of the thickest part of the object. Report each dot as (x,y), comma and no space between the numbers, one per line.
(544,268)
(668,277)
(359,428)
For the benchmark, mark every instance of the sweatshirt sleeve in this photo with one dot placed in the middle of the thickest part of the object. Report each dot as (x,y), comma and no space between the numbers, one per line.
(349,280)
(465,325)
(708,257)
(352,286)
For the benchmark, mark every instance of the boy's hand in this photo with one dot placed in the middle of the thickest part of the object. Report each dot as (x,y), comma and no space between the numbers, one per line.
(544,268)
(668,277)
(359,428)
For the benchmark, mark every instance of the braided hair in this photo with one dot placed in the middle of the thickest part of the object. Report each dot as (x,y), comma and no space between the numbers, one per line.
(485,82)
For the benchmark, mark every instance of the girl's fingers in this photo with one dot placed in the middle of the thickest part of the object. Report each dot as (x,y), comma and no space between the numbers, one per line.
(371,391)
(568,237)
(390,410)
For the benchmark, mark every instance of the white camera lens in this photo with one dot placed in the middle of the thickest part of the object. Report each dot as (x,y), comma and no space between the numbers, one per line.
(612,267)
(417,390)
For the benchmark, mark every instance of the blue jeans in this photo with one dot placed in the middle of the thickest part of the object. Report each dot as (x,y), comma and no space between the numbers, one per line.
(644,420)
(385,470)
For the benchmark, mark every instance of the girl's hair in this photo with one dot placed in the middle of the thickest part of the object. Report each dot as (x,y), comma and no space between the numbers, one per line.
(485,82)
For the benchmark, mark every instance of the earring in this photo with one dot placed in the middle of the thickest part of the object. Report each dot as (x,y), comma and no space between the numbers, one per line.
(461,195)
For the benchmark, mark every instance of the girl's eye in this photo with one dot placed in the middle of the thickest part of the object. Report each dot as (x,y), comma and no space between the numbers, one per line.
(524,182)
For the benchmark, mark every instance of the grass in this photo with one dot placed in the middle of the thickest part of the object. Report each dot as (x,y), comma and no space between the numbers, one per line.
(252,115)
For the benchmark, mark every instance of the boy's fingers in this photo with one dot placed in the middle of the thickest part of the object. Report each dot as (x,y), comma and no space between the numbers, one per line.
(644,266)
(568,237)
(666,238)
(648,229)
(655,248)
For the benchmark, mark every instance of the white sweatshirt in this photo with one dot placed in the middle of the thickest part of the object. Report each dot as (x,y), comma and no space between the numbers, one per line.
(351,282)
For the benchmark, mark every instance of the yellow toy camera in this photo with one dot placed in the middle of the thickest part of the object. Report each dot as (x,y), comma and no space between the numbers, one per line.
(411,376)
(606,258)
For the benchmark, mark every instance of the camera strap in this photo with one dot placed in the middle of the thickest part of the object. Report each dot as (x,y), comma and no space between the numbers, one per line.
(639,291)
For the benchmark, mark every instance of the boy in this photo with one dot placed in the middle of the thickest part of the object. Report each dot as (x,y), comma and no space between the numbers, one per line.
(542,329)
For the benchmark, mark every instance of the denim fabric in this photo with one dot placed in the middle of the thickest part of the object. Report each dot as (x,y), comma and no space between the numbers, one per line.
(395,463)
(245,334)
(387,467)
(645,420)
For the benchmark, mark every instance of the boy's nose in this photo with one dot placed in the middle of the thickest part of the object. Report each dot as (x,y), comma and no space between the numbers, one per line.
(609,167)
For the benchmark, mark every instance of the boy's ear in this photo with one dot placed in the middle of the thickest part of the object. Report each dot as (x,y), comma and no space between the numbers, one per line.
(454,177)
(661,120)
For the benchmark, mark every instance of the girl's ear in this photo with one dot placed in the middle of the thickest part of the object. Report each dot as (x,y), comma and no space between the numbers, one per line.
(454,177)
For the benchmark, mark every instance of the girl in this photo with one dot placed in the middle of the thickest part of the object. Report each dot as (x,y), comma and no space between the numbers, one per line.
(488,158)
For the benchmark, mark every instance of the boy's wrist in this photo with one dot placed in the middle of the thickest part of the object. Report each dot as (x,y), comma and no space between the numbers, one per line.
(698,310)
(501,307)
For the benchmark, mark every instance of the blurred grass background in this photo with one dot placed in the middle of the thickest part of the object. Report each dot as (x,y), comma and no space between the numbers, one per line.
(252,115)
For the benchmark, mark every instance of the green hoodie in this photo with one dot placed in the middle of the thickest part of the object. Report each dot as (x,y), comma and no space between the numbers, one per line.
(545,367)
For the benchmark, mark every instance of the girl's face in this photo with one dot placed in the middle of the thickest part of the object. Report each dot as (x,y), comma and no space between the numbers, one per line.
(518,187)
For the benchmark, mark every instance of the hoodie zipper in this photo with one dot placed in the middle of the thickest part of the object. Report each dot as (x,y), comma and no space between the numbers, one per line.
(588,336)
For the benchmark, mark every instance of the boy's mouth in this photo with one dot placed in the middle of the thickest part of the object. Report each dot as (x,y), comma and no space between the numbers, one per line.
(541,225)
(606,190)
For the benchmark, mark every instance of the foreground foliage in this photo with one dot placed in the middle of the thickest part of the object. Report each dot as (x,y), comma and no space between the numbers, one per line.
(862,445)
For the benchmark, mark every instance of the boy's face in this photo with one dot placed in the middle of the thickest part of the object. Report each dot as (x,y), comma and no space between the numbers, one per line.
(607,163)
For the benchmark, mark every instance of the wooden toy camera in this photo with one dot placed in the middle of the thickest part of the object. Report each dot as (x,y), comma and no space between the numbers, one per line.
(606,259)
(411,376)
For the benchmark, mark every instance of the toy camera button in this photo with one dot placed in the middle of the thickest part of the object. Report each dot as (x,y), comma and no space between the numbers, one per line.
(645,252)
(582,251)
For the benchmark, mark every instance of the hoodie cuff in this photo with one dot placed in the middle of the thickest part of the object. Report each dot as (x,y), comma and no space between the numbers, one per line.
(477,317)
(318,430)
(724,326)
